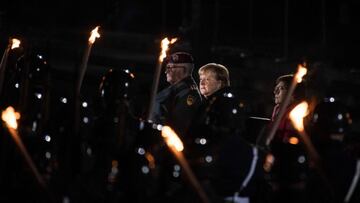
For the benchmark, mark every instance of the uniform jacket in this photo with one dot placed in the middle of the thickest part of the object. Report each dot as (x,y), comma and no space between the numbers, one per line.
(177,104)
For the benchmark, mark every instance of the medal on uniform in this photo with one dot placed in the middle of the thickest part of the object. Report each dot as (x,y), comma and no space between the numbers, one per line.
(190,100)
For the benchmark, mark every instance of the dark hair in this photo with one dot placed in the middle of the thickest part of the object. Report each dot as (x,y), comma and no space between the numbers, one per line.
(300,90)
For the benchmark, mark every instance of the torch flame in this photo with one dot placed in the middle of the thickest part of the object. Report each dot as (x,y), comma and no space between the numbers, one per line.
(15,43)
(297,115)
(165,46)
(150,158)
(294,140)
(94,35)
(173,40)
(172,139)
(10,117)
(300,73)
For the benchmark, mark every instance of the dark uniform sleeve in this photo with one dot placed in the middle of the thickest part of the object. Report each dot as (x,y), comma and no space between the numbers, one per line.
(161,106)
(176,105)
(186,104)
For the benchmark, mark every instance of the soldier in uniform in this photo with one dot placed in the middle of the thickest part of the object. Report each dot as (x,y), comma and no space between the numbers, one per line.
(28,91)
(176,104)
(107,150)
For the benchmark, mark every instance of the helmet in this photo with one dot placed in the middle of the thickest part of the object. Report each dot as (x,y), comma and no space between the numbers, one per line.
(330,118)
(115,86)
(31,83)
(33,74)
(29,75)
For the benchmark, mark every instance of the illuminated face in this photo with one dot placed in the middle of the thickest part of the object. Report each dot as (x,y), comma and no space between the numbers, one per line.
(174,73)
(208,83)
(280,91)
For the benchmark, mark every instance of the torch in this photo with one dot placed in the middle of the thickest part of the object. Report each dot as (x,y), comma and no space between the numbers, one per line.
(75,140)
(9,116)
(94,34)
(176,147)
(296,116)
(164,47)
(297,79)
(13,43)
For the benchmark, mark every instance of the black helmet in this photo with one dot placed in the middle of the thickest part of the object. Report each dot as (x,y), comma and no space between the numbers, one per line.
(330,118)
(29,76)
(33,82)
(115,86)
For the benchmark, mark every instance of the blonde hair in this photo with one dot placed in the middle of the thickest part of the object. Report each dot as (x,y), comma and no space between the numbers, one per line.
(221,72)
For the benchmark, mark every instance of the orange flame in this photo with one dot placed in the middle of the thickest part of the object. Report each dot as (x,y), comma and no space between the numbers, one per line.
(94,35)
(294,140)
(15,43)
(165,46)
(150,158)
(297,115)
(172,139)
(10,117)
(300,73)
(269,162)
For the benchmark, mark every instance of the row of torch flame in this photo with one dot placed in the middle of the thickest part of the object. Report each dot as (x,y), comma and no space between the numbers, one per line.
(10,117)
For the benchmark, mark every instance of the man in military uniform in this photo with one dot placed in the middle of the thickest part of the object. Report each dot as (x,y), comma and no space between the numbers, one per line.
(176,105)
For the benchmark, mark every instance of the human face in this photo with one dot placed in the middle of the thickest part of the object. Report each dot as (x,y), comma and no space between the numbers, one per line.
(208,83)
(174,73)
(280,91)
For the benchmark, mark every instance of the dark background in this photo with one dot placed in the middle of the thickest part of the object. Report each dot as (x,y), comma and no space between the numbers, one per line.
(257,40)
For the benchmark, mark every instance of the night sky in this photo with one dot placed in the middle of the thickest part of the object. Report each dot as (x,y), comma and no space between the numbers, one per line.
(257,40)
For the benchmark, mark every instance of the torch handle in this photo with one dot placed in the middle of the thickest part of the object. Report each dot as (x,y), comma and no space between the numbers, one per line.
(314,155)
(82,69)
(3,66)
(190,175)
(27,157)
(315,159)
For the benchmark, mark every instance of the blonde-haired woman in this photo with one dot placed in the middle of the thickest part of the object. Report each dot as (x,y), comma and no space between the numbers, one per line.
(216,137)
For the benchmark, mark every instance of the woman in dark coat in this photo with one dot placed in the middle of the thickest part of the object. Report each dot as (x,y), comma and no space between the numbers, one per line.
(227,165)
